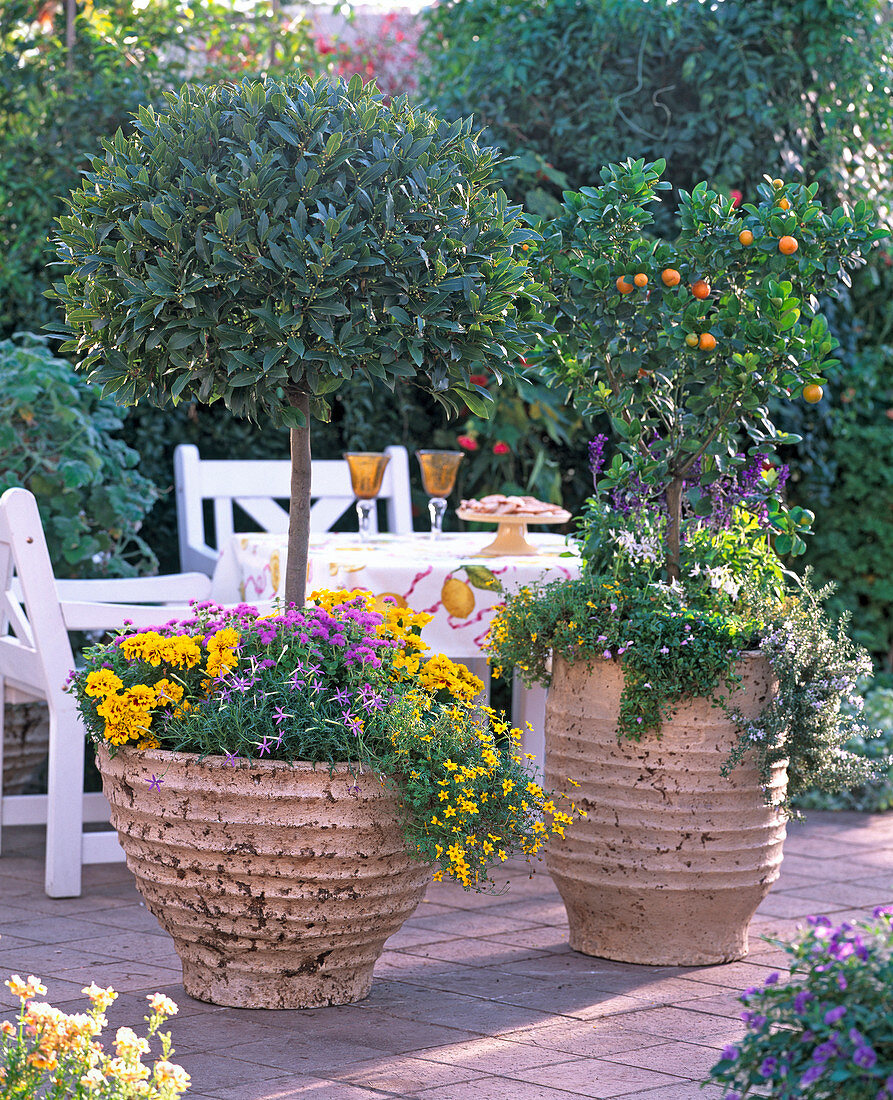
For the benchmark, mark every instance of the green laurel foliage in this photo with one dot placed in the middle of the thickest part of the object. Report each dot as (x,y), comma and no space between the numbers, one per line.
(272,238)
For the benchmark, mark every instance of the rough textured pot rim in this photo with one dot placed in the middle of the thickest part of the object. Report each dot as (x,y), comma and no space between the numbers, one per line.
(341,767)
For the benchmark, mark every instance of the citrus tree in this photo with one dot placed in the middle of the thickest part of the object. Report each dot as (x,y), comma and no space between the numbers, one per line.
(683,344)
(264,243)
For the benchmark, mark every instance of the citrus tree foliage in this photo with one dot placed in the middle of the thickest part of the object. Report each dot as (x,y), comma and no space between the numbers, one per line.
(683,344)
(262,240)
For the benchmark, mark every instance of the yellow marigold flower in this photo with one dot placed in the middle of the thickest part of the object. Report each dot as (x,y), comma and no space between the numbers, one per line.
(167,691)
(182,651)
(24,990)
(164,1006)
(140,696)
(225,638)
(450,766)
(102,681)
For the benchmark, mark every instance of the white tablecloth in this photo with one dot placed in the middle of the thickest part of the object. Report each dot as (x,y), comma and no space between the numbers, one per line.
(441,576)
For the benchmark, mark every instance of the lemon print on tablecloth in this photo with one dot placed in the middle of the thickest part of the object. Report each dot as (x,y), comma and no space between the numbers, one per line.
(457,597)
(274,570)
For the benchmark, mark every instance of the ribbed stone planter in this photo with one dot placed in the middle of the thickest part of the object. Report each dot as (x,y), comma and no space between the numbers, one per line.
(279,884)
(26,742)
(672,859)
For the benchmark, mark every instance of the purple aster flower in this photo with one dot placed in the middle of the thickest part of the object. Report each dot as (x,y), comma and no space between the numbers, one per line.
(730,1053)
(824,1051)
(802,1000)
(834,1014)
(865,1057)
(813,1073)
(768,1067)
(772,978)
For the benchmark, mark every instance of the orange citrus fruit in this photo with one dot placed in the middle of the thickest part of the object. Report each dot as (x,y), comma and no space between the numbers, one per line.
(641,279)
(778,184)
(700,289)
(692,339)
(670,276)
(707,341)
(745,237)
(813,393)
(784,204)
(787,246)
(623,286)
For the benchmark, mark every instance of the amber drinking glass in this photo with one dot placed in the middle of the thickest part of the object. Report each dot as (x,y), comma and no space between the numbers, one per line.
(366,473)
(439,469)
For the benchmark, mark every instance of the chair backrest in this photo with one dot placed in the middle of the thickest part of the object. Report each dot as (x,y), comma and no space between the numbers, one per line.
(36,613)
(256,486)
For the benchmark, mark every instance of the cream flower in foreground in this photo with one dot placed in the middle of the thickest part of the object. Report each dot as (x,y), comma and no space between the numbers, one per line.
(23,990)
(164,1006)
(127,1042)
(100,997)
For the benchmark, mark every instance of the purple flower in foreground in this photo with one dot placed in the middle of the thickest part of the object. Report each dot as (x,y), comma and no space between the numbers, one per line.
(802,1000)
(772,978)
(730,1052)
(834,1014)
(279,715)
(768,1067)
(813,1073)
(264,746)
(865,1057)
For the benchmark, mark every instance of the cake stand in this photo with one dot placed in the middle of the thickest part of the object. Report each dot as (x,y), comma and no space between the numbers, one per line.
(511,534)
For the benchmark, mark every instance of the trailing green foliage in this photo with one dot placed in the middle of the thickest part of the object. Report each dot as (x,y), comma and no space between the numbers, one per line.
(59,440)
(822,1032)
(264,240)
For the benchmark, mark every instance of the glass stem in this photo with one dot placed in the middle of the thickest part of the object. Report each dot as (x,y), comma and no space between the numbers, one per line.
(364,515)
(437,506)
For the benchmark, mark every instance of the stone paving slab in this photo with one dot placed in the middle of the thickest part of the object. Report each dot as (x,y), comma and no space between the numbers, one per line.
(475,998)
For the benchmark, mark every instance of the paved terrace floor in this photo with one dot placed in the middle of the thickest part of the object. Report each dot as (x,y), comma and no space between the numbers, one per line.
(476,998)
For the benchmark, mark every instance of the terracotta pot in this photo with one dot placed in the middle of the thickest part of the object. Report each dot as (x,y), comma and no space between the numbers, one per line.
(26,742)
(279,884)
(672,860)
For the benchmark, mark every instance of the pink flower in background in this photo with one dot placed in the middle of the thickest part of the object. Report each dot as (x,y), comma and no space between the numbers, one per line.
(467,443)
(501,448)
(737,196)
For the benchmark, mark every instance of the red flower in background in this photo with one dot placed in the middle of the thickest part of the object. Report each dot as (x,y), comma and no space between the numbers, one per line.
(737,196)
(478,379)
(501,448)
(467,443)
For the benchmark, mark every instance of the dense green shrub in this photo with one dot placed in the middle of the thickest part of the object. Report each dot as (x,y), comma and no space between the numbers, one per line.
(55,103)
(58,439)
(724,91)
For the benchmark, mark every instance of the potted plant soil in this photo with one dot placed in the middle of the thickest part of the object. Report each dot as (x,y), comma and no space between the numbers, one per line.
(695,684)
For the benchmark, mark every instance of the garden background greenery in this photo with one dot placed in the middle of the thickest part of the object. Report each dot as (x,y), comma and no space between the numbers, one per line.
(726,92)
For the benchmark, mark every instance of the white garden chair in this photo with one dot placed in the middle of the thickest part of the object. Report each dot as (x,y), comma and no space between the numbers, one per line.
(36,613)
(256,485)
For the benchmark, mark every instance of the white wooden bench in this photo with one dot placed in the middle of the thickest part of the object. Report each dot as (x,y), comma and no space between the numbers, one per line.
(256,485)
(36,613)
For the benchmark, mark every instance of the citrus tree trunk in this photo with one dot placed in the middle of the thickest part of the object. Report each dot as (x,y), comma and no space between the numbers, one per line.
(299,507)
(674,526)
